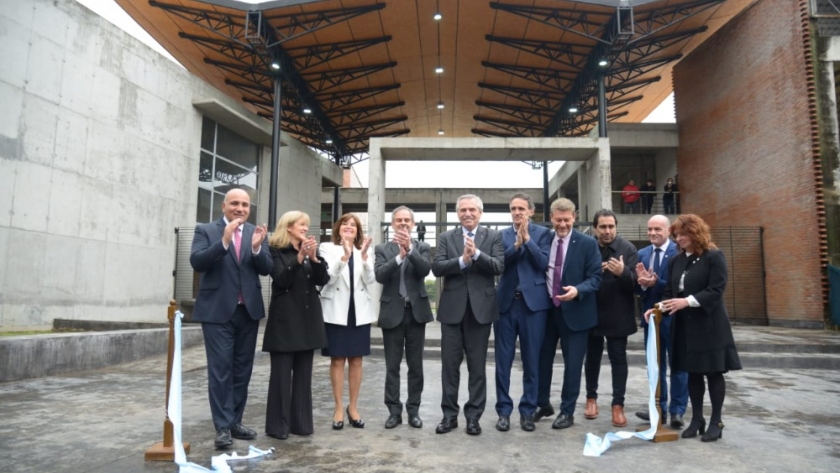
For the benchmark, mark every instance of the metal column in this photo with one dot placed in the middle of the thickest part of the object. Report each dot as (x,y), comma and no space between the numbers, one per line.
(275,153)
(546,203)
(602,107)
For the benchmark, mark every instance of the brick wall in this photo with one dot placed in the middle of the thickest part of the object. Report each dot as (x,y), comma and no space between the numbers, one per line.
(746,157)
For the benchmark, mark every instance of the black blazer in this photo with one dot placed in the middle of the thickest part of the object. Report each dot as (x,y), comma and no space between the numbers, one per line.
(295,321)
(616,300)
(387,272)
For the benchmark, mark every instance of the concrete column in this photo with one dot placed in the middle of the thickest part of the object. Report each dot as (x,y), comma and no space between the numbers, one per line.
(376,192)
(830,143)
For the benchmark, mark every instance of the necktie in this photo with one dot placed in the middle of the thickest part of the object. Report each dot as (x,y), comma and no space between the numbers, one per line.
(403,290)
(556,283)
(470,234)
(657,260)
(237,241)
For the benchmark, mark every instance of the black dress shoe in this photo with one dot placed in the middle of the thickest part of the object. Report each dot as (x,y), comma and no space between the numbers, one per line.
(356,423)
(643,415)
(527,423)
(446,425)
(278,436)
(563,421)
(241,432)
(223,439)
(473,428)
(677,421)
(543,411)
(393,421)
(415,421)
(502,425)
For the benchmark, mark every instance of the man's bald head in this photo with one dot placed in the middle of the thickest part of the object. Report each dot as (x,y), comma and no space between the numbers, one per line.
(237,204)
(657,229)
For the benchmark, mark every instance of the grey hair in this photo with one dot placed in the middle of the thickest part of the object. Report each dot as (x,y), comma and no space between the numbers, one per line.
(402,207)
(469,196)
(525,197)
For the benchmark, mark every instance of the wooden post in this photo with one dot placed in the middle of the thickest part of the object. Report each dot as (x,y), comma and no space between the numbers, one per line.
(165,451)
(663,433)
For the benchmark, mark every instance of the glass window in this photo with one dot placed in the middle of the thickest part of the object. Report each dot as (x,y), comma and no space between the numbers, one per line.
(236,148)
(208,134)
(202,213)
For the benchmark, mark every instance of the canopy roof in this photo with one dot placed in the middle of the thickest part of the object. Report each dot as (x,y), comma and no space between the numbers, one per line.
(355,69)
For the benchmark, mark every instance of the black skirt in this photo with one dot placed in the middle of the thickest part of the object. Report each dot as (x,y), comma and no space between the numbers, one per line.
(350,340)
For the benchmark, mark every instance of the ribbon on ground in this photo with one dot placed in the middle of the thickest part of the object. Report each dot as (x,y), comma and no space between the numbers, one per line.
(219,463)
(595,445)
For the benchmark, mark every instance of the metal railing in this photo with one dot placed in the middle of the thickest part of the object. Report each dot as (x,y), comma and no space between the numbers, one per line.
(648,203)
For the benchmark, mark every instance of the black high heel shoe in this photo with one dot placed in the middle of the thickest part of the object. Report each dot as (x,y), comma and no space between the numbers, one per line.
(338,424)
(696,425)
(714,432)
(357,423)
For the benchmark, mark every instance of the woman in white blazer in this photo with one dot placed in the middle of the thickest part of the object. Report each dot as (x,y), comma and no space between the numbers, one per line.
(348,311)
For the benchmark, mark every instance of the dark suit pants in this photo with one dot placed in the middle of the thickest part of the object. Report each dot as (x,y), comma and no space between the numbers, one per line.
(617,353)
(409,338)
(470,337)
(573,345)
(289,405)
(230,357)
(679,379)
(530,327)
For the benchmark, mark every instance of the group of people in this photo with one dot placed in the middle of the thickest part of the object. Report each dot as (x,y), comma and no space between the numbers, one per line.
(554,284)
(632,195)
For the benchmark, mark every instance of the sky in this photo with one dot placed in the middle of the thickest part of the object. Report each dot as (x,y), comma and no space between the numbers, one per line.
(408,174)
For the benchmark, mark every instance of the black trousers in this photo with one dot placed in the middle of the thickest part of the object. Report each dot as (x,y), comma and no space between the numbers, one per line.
(617,352)
(407,338)
(230,359)
(289,406)
(471,338)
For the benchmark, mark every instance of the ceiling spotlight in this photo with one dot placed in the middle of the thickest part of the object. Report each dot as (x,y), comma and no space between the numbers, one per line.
(329,141)
(603,63)
(440,132)
(307,110)
(437,16)
(440,105)
(439,70)
(275,65)
(573,109)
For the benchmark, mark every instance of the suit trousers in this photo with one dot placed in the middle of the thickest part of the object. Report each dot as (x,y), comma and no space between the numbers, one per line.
(617,353)
(409,338)
(530,327)
(573,345)
(472,338)
(289,404)
(679,379)
(230,358)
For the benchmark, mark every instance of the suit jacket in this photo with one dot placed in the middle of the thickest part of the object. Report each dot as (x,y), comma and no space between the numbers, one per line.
(223,277)
(295,321)
(652,295)
(476,283)
(387,272)
(616,298)
(335,295)
(582,269)
(525,268)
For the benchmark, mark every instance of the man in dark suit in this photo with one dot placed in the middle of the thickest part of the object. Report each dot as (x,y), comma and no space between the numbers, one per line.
(616,316)
(230,254)
(401,267)
(468,259)
(572,278)
(523,305)
(652,271)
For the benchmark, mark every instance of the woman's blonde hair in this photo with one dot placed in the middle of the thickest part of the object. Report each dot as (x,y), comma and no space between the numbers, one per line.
(280,238)
(360,234)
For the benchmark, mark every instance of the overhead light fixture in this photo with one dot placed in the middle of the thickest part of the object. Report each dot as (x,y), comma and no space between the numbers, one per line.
(275,65)
(437,16)
(439,70)
(329,141)
(440,105)
(440,132)
(603,63)
(307,110)
(573,109)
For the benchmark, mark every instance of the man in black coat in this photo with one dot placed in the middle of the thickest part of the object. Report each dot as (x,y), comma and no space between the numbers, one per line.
(401,267)
(616,319)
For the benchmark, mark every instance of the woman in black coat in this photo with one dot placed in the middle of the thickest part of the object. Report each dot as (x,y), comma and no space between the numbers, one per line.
(702,341)
(295,327)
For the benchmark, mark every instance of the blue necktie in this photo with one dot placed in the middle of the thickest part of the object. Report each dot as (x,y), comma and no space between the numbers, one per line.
(657,260)
(470,234)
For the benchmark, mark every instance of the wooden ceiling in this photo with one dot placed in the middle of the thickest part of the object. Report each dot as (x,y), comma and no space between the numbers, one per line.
(367,67)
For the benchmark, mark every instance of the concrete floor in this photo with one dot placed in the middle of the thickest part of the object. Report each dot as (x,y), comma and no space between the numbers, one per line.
(103,421)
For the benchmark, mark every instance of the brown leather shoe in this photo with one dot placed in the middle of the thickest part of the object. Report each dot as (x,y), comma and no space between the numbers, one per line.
(591,411)
(618,418)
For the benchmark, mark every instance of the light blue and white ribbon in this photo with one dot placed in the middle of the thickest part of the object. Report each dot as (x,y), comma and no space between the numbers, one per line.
(219,463)
(595,445)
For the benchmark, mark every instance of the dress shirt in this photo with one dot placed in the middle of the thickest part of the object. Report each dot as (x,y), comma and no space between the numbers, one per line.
(255,253)
(461,261)
(692,302)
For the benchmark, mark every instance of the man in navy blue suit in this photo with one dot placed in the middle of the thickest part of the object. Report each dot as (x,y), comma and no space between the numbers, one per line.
(572,278)
(230,254)
(652,277)
(523,305)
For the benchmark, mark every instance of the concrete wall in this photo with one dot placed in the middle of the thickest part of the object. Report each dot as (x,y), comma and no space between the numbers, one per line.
(99,151)
(746,155)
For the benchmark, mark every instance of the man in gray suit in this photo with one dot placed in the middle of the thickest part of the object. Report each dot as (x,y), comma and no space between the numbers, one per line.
(401,267)
(468,258)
